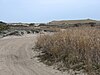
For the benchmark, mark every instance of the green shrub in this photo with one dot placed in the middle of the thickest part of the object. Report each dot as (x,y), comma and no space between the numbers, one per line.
(3,27)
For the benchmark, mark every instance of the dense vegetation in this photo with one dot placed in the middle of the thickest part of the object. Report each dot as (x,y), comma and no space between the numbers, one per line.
(3,26)
(75,48)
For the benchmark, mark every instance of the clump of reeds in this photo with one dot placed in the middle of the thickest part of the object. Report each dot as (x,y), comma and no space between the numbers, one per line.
(75,48)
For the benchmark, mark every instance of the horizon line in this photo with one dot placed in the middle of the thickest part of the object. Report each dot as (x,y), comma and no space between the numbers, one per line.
(48,21)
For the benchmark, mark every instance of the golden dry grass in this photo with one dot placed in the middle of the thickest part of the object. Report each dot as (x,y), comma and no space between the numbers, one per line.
(75,48)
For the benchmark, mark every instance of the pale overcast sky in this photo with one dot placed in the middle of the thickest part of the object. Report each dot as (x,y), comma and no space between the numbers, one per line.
(48,10)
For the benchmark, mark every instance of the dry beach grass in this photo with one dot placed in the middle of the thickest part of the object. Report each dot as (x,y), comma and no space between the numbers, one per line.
(75,48)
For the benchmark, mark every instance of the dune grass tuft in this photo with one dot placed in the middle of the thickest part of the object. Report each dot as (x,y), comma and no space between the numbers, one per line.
(75,48)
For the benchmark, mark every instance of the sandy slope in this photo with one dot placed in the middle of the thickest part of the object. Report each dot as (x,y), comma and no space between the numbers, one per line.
(16,54)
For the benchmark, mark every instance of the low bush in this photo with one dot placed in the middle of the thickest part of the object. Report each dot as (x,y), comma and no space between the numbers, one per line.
(3,27)
(75,48)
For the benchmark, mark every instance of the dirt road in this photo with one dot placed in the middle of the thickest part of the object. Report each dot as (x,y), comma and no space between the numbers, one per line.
(16,57)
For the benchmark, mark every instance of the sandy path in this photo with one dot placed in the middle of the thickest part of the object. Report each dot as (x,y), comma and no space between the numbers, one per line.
(15,58)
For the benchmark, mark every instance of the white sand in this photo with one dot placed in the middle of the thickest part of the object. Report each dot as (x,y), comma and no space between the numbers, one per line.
(15,57)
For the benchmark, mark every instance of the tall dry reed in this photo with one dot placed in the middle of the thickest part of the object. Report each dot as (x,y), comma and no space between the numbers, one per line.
(75,48)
